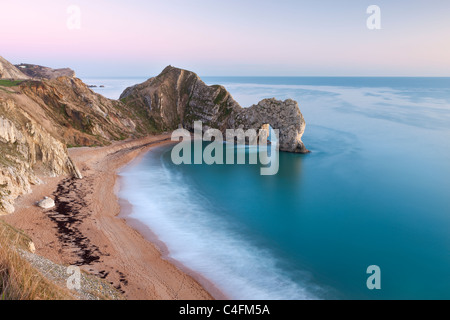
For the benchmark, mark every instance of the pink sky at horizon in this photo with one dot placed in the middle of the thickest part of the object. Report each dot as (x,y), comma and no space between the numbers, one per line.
(291,38)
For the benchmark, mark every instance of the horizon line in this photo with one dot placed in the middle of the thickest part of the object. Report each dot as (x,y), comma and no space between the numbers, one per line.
(267,76)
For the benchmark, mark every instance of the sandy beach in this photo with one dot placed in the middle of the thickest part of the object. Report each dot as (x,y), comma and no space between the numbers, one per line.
(92,229)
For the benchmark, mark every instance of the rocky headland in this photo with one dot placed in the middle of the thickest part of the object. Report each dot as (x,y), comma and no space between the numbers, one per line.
(178,97)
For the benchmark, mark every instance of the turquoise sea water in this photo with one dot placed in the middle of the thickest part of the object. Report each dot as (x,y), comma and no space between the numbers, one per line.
(374,191)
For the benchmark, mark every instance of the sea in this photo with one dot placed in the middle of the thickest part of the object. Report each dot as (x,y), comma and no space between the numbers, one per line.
(374,191)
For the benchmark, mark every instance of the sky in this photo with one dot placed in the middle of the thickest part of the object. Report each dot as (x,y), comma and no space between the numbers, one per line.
(138,38)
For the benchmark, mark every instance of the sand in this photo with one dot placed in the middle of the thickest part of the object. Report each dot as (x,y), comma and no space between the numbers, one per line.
(91,228)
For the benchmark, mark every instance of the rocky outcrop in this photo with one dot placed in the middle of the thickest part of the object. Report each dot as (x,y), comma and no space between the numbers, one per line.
(179,97)
(282,115)
(40,72)
(9,71)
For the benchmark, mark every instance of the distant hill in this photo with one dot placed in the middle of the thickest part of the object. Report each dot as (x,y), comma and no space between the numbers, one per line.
(9,71)
(40,72)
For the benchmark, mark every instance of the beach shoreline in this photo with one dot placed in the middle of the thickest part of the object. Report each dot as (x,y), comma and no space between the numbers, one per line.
(103,239)
(148,234)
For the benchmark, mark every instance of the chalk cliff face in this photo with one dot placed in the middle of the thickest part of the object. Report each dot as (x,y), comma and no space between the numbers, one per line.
(9,71)
(27,149)
(179,97)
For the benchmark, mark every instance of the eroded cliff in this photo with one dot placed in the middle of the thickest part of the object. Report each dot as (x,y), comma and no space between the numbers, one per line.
(27,149)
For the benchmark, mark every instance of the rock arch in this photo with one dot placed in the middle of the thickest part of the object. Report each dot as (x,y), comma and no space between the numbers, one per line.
(284,116)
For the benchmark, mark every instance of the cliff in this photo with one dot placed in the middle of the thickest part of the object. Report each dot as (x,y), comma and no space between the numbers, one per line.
(26,150)
(179,97)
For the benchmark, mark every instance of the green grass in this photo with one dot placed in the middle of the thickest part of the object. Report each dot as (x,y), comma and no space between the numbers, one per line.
(10,83)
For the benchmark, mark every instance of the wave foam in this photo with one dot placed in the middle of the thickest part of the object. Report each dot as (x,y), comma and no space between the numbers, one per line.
(202,241)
